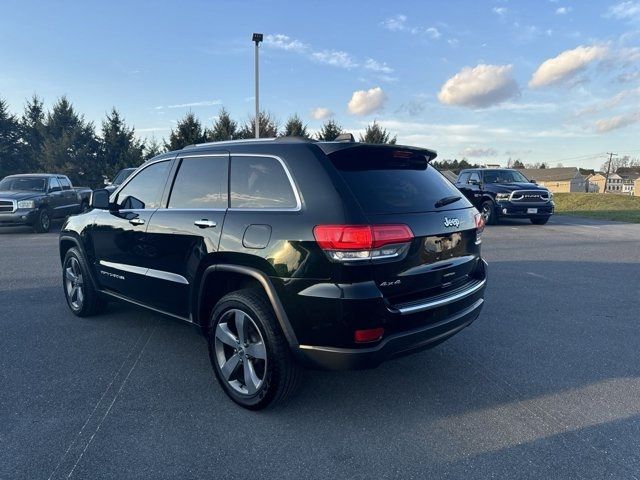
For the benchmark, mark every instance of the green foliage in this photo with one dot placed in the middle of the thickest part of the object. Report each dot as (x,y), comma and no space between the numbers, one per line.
(188,131)
(329,131)
(152,148)
(454,165)
(268,127)
(224,128)
(71,146)
(119,147)
(374,133)
(10,148)
(295,128)
(33,132)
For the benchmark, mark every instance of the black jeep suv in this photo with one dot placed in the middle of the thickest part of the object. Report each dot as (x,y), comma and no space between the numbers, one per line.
(505,193)
(285,252)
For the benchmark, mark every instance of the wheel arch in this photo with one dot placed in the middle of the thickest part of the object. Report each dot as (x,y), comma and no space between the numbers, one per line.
(66,243)
(220,279)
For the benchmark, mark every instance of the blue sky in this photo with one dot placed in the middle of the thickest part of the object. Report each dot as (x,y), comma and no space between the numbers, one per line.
(554,81)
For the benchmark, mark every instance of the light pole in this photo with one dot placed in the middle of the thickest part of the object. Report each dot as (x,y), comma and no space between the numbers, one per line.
(257,38)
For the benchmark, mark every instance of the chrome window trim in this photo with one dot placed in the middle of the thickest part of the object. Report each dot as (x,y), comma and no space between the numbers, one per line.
(149,272)
(292,183)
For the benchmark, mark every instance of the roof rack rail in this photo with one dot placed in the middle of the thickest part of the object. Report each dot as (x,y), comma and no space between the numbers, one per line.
(295,138)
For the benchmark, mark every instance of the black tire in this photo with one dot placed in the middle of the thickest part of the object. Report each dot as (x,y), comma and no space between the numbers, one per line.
(539,220)
(489,212)
(88,301)
(278,373)
(43,221)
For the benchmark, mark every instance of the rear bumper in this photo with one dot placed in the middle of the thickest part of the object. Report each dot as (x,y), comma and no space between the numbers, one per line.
(396,345)
(521,210)
(17,218)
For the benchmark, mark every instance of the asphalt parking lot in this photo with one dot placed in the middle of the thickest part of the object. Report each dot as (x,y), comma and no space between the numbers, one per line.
(545,384)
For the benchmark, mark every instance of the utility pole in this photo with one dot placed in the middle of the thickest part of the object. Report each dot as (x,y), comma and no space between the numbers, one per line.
(606,178)
(257,38)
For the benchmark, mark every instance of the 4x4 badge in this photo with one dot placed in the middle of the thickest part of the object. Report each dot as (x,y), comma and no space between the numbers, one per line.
(451,222)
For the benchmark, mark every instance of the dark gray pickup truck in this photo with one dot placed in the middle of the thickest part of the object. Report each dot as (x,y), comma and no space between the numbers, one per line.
(35,199)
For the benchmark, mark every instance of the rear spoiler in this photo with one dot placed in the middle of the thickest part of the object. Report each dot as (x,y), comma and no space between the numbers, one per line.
(332,147)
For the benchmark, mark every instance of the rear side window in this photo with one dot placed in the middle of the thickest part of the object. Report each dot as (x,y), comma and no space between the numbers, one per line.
(387,180)
(200,183)
(65,183)
(144,191)
(54,185)
(260,182)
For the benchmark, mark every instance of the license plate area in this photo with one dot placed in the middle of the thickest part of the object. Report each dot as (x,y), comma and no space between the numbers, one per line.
(532,210)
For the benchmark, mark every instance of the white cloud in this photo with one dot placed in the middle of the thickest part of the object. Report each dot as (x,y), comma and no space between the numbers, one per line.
(563,10)
(335,58)
(479,152)
(396,23)
(618,121)
(321,113)
(364,102)
(479,87)
(566,65)
(433,32)
(500,11)
(628,10)
(284,42)
(382,67)
(203,103)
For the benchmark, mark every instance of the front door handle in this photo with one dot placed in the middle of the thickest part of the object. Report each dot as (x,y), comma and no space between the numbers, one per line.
(204,223)
(136,221)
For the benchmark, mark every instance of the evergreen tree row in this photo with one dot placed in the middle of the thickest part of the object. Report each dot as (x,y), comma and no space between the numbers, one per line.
(62,141)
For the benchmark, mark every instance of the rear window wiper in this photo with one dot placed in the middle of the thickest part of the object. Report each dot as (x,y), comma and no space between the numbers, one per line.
(446,201)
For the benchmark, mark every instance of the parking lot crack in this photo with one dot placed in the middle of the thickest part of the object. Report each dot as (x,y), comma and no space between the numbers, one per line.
(80,444)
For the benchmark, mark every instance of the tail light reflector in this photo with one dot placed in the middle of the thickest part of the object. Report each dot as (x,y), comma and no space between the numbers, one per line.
(369,335)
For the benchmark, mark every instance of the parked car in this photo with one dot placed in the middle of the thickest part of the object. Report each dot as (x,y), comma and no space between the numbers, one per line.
(35,199)
(505,192)
(286,253)
(120,177)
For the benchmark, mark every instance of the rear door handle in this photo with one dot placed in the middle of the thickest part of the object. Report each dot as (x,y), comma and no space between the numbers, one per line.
(204,223)
(136,221)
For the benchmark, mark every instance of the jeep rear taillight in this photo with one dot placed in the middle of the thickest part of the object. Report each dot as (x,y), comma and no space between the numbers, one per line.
(348,243)
(480,224)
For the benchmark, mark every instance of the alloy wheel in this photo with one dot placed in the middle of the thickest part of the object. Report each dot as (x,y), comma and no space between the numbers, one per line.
(240,352)
(74,284)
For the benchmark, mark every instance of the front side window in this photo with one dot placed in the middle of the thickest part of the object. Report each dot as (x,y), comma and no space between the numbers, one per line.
(144,191)
(474,178)
(260,182)
(464,177)
(200,183)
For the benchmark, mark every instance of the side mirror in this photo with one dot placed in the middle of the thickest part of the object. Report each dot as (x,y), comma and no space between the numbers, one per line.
(100,199)
(106,182)
(533,181)
(474,182)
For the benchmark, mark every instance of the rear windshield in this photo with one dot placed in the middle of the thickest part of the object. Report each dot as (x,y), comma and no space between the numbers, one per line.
(386,181)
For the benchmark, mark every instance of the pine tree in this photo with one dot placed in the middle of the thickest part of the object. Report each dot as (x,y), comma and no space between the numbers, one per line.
(268,127)
(224,128)
(10,149)
(152,148)
(295,128)
(33,133)
(329,131)
(70,146)
(119,146)
(188,131)
(376,134)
